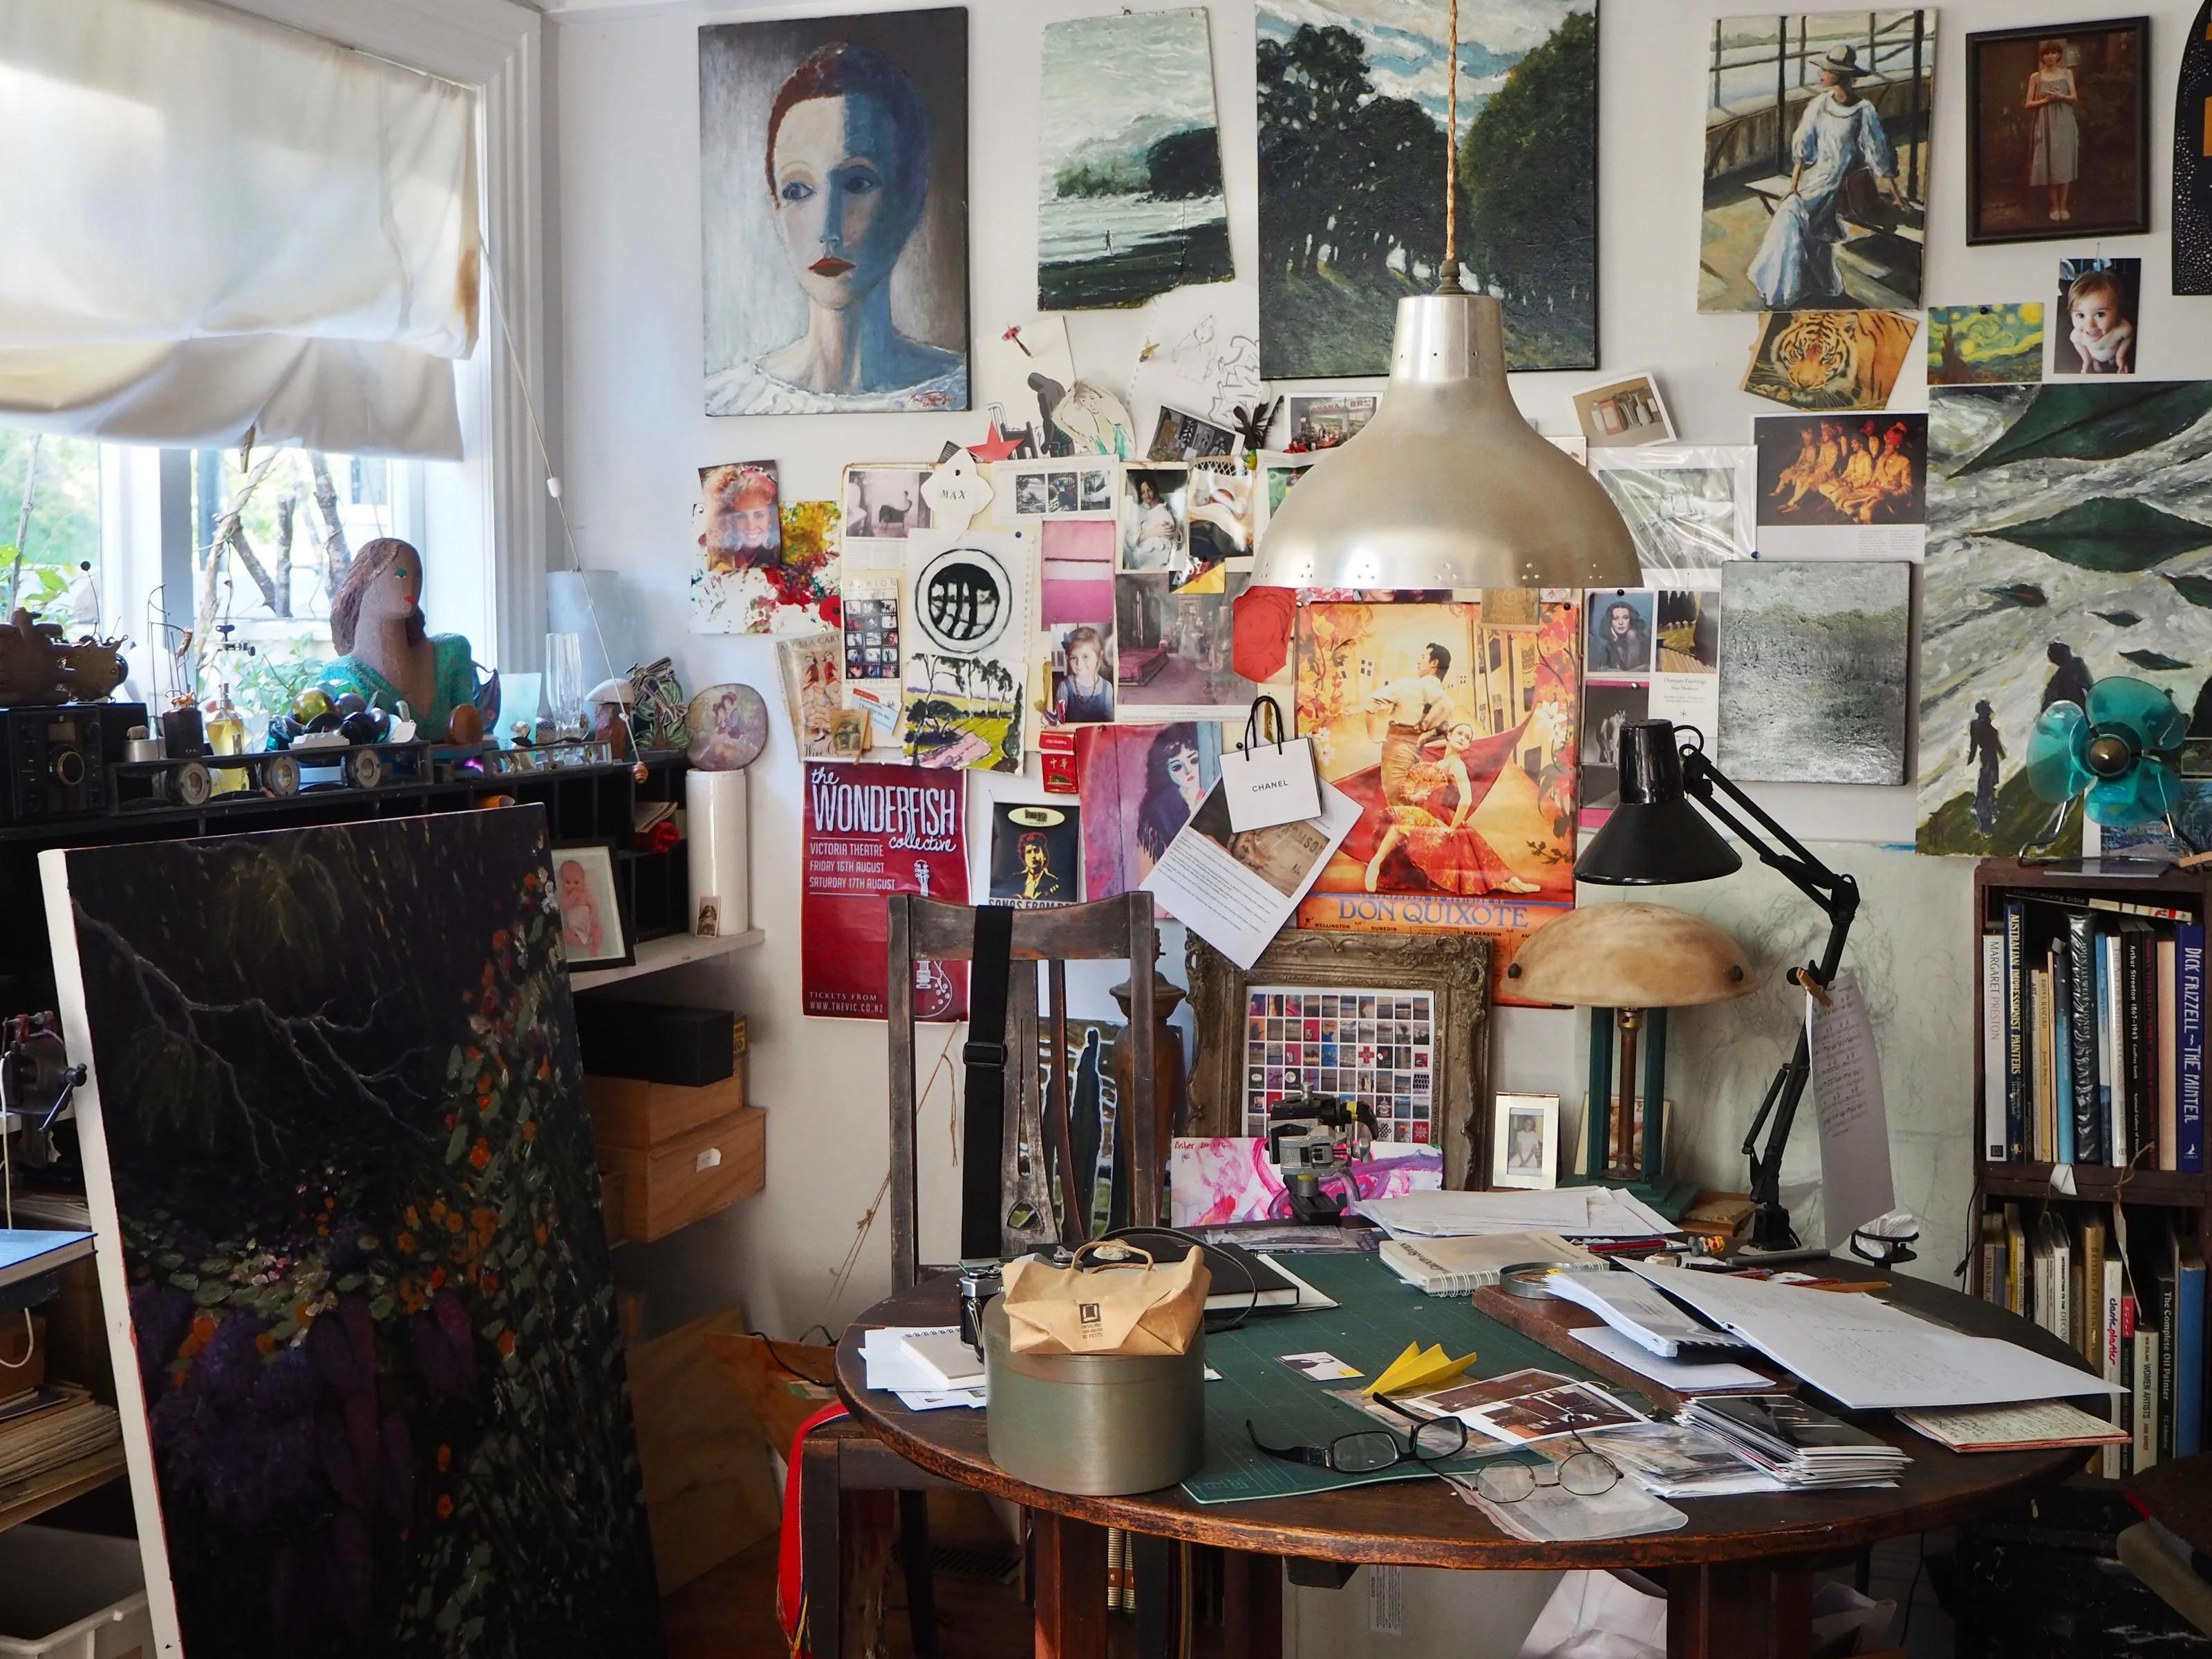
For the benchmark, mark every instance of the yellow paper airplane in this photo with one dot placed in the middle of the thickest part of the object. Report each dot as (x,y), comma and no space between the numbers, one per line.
(1419,1369)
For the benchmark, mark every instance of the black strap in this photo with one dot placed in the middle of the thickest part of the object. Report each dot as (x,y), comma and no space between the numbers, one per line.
(985,1056)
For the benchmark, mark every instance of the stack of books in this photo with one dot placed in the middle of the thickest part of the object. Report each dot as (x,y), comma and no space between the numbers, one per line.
(2092,1034)
(2138,1323)
(48,1434)
(1798,1444)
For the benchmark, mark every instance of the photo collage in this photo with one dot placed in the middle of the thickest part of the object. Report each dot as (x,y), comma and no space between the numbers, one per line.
(1652,653)
(1377,1047)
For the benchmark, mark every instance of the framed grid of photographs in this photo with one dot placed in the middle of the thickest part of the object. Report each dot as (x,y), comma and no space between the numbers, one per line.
(1375,1047)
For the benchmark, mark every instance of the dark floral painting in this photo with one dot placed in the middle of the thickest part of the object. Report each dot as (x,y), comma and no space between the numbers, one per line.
(371,1299)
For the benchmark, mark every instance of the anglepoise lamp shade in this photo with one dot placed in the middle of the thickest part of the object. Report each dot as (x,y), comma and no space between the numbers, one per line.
(1448,486)
(1628,963)
(1656,837)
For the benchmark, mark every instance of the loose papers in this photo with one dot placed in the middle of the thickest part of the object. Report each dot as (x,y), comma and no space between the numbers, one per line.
(1570,1212)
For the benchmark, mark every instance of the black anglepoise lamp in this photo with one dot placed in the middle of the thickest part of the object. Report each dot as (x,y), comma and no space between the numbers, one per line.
(1657,838)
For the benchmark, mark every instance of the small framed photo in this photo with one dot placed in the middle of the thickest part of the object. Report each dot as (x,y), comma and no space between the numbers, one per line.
(595,924)
(1525,1141)
(2058,132)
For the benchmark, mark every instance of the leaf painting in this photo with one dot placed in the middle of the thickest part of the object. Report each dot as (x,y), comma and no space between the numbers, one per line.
(2122,618)
(2197,590)
(2097,423)
(2109,535)
(2155,660)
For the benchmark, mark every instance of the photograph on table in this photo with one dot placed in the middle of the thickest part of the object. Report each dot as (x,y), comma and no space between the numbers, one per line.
(1220,1181)
(1816,160)
(1689,507)
(1129,193)
(1340,78)
(1078,569)
(965,605)
(1323,420)
(2098,302)
(594,918)
(1829,359)
(1175,651)
(1080,670)
(1623,414)
(1405,1008)
(2058,132)
(1986,346)
(1155,508)
(1457,736)
(1139,786)
(1842,486)
(2062,519)
(822,299)
(1180,435)
(1813,674)
(1037,854)
(1525,1146)
(885,503)
(813,688)
(319,1208)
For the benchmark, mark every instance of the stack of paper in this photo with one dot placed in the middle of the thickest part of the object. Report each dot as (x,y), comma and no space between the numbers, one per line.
(1636,1310)
(67,1427)
(2015,1428)
(1682,1376)
(892,1365)
(1573,1211)
(1799,1444)
(1669,1460)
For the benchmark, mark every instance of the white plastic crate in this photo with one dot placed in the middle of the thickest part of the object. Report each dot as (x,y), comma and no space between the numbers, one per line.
(71,1595)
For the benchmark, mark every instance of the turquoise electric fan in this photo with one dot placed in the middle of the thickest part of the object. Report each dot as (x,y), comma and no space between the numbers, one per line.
(2119,756)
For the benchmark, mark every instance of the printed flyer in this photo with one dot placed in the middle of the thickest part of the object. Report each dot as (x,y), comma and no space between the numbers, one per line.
(872,831)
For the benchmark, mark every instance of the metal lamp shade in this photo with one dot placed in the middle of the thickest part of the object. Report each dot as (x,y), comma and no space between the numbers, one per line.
(1448,486)
(1655,837)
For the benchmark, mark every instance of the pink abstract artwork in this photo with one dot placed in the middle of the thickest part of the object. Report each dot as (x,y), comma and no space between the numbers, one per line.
(1217,1179)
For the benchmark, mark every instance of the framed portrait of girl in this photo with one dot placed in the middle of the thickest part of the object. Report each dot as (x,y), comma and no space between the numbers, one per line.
(833,214)
(2058,130)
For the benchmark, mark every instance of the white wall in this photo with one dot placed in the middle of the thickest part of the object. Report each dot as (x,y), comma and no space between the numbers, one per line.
(624,103)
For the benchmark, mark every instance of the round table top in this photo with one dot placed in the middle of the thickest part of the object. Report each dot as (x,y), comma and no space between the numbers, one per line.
(1423,1522)
(2179,1494)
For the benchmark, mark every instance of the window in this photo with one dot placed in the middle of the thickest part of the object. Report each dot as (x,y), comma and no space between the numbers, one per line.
(48,559)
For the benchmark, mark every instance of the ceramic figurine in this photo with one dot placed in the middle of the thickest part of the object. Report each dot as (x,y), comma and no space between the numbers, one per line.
(386,655)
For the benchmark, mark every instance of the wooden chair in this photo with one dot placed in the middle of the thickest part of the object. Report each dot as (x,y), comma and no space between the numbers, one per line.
(844,1458)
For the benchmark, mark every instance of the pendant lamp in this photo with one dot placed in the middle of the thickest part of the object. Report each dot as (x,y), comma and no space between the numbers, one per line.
(1448,485)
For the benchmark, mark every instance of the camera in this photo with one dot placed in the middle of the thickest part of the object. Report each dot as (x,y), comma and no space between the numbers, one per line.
(980,1280)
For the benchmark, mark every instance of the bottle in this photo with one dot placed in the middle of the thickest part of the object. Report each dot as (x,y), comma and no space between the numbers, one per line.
(226,735)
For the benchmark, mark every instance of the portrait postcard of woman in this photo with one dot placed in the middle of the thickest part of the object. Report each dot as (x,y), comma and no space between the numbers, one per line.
(834,213)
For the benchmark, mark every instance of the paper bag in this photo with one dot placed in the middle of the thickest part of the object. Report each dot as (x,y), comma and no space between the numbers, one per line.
(1101,1308)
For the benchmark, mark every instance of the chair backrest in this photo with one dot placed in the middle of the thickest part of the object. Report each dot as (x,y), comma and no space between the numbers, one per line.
(1037,1113)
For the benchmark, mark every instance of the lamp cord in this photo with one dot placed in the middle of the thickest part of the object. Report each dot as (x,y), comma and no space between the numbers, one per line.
(1448,280)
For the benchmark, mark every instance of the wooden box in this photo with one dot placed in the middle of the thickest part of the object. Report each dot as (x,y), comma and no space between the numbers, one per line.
(631,1112)
(709,1492)
(648,1191)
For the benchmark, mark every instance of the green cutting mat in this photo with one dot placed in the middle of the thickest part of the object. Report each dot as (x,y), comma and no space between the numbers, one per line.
(1379,1314)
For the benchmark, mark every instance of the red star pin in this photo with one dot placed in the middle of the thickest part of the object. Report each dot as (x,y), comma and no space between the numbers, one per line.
(997,447)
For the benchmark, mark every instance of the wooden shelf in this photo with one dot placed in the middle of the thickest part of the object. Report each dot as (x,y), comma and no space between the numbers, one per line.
(676,950)
(71,1480)
(2099,1183)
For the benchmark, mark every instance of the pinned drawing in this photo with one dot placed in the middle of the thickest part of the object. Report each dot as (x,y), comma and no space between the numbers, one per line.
(965,607)
(1129,191)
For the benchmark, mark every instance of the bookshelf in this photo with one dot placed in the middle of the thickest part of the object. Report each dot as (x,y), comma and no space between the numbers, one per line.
(2159,1204)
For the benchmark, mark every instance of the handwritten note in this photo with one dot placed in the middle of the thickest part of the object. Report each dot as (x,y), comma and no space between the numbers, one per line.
(1856,1178)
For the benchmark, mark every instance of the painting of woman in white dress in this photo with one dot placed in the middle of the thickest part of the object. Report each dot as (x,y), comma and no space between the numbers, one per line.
(1816,162)
(835,213)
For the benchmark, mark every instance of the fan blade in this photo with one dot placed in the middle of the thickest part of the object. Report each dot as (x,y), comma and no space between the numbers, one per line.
(2145,709)
(2057,766)
(2146,795)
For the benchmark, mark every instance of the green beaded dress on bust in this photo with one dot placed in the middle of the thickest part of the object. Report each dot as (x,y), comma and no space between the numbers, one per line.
(457,685)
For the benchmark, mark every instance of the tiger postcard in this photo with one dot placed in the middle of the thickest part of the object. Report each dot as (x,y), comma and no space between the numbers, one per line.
(1822,360)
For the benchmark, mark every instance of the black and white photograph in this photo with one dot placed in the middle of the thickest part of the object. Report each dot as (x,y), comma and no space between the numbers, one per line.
(1179,435)
(1525,1142)
(1620,628)
(1813,670)
(885,503)
(1155,529)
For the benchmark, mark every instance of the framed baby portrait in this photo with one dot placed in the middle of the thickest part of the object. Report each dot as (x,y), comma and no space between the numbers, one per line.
(1525,1141)
(834,193)
(2058,132)
(595,922)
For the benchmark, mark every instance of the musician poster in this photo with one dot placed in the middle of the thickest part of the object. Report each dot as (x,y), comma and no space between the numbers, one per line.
(1456,735)
(872,832)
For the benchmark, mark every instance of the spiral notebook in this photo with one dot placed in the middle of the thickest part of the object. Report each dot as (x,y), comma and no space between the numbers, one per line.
(1461,1266)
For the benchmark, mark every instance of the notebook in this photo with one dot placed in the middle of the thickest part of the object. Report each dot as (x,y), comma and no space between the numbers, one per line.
(1460,1266)
(943,1358)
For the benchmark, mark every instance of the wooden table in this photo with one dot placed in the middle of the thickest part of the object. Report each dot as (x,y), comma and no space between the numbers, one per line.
(2179,1494)
(1739,1576)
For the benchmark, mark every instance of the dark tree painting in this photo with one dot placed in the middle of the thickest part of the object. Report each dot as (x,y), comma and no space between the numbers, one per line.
(341,1107)
(1352,177)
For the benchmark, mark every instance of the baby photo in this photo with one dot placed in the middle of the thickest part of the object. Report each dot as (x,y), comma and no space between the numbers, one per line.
(2097,302)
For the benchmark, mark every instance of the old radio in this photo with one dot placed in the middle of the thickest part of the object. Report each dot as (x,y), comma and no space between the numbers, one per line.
(57,758)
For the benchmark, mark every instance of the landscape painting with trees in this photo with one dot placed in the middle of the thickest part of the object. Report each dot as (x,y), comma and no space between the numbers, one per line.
(1353,99)
(1130,201)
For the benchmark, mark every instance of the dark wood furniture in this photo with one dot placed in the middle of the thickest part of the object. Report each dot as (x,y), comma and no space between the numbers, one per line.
(2178,1496)
(1739,1576)
(844,1458)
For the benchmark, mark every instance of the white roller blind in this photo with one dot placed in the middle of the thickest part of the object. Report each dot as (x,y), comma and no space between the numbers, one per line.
(210,223)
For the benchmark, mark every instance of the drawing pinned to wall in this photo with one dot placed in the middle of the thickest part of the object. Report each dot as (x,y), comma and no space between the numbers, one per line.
(2192,159)
(1813,671)
(1816,162)
(1986,346)
(1129,191)
(1029,360)
(1829,359)
(834,213)
(1353,106)
(965,607)
(765,566)
(2058,132)
(2098,302)
(1200,353)
(1141,784)
(1689,508)
(2050,569)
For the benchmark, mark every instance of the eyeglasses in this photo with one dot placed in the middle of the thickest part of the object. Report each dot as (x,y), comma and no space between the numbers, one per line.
(1431,1440)
(1586,1473)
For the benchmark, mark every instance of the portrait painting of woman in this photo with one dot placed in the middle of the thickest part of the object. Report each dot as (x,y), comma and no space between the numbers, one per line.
(835,213)
(2060,132)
